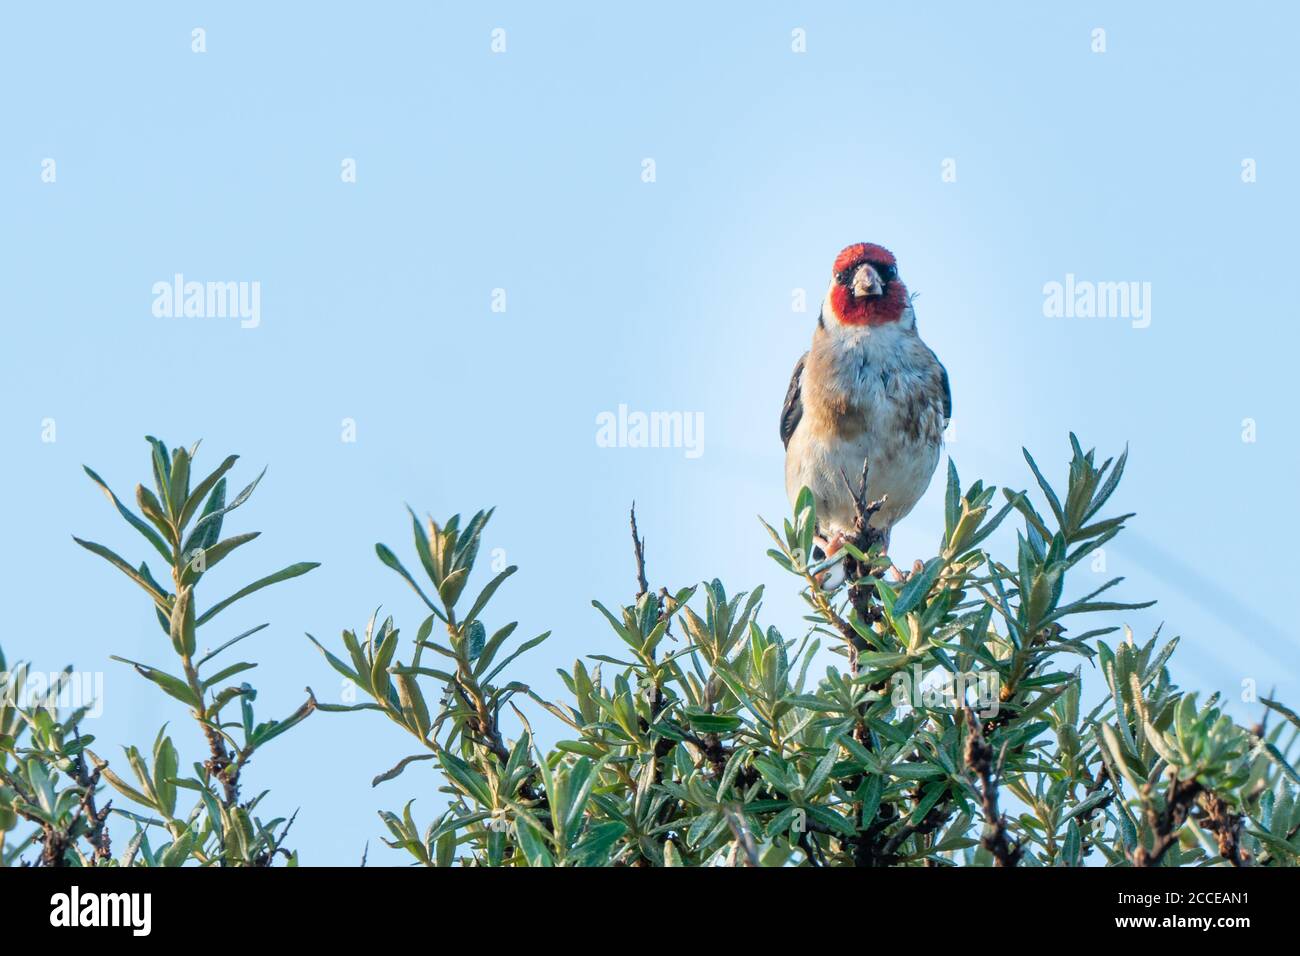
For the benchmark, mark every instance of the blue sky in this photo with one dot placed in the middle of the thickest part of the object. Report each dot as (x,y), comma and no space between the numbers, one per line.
(522,171)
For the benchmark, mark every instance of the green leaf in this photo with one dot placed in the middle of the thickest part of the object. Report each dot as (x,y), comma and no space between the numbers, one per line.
(210,518)
(531,842)
(268,731)
(162,467)
(872,790)
(951,501)
(380,679)
(178,485)
(469,781)
(486,594)
(821,773)
(1286,712)
(414,709)
(201,490)
(234,640)
(713,723)
(1276,756)
(227,672)
(179,851)
(390,559)
(452,585)
(182,622)
(141,526)
(117,562)
(124,788)
(207,558)
(165,766)
(172,685)
(401,765)
(205,534)
(1109,487)
(292,571)
(917,587)
(524,647)
(1048,493)
(334,662)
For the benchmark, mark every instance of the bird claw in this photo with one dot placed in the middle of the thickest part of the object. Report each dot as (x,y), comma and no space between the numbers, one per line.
(830,546)
(833,577)
(902,576)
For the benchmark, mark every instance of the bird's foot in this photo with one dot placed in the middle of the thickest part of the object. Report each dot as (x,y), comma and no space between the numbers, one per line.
(898,575)
(833,577)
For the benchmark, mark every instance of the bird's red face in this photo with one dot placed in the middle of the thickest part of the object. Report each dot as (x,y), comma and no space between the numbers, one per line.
(865,288)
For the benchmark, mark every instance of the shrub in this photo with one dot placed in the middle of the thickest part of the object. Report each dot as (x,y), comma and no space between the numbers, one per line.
(183,524)
(953,732)
(711,744)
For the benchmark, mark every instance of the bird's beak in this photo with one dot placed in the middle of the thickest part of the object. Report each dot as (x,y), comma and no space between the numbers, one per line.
(867,281)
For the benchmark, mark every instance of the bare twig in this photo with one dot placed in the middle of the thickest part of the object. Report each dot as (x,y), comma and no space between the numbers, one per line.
(638,548)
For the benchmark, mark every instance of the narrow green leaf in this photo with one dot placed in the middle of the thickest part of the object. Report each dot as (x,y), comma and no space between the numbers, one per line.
(141,526)
(201,490)
(292,571)
(117,562)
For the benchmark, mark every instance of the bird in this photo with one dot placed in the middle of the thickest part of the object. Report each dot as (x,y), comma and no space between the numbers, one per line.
(867,393)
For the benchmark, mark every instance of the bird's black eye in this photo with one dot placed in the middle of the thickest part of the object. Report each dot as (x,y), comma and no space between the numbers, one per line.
(888,273)
(845,277)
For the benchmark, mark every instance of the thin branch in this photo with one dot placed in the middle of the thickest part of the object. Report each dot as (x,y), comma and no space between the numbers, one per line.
(1166,822)
(638,548)
(744,839)
(979,757)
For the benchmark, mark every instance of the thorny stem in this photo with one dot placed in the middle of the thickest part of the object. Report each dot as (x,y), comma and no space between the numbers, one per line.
(744,839)
(664,745)
(864,538)
(979,757)
(638,549)
(56,841)
(1166,822)
(864,846)
(1086,844)
(1225,826)
(223,765)
(97,835)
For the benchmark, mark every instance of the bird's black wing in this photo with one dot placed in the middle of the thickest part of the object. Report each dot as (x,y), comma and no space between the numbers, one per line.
(792,410)
(947,393)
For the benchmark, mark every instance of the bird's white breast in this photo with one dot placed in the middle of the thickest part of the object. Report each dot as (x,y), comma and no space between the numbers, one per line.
(873,394)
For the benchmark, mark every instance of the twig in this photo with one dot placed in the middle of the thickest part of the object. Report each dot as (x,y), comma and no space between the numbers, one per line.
(1099,781)
(638,548)
(863,538)
(1166,823)
(97,833)
(1225,826)
(865,510)
(744,839)
(222,764)
(979,756)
